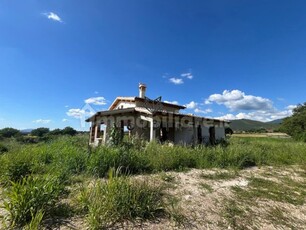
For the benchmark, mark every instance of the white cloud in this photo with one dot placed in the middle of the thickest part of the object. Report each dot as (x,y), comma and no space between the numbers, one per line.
(41,121)
(96,101)
(53,16)
(207,102)
(64,120)
(291,107)
(238,100)
(258,115)
(248,106)
(176,81)
(96,92)
(172,102)
(227,117)
(187,75)
(66,106)
(197,110)
(79,113)
(191,105)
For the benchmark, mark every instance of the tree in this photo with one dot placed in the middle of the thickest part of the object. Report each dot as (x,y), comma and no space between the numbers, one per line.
(9,132)
(295,125)
(40,132)
(56,132)
(69,131)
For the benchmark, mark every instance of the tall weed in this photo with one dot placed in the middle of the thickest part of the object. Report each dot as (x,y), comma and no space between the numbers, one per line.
(120,199)
(29,198)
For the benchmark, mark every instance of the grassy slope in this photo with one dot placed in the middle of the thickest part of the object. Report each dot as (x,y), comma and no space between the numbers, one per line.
(245,125)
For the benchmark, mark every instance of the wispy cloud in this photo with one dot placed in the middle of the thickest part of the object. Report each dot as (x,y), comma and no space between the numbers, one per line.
(291,107)
(191,105)
(96,92)
(176,81)
(79,113)
(187,75)
(197,110)
(96,101)
(65,120)
(53,16)
(41,121)
(172,102)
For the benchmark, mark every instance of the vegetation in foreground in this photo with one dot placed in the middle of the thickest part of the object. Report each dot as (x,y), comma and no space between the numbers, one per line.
(46,173)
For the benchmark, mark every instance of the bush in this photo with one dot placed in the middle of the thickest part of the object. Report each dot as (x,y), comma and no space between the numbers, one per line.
(119,199)
(69,131)
(28,139)
(29,198)
(295,125)
(129,160)
(40,132)
(18,169)
(64,154)
(170,157)
(9,132)
(3,149)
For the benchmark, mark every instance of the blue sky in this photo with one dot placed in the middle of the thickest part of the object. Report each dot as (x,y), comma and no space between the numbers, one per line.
(227,59)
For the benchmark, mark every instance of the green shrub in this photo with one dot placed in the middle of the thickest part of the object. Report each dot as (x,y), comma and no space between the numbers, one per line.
(28,139)
(120,199)
(129,160)
(163,157)
(31,196)
(18,169)
(102,159)
(3,148)
(36,220)
(65,153)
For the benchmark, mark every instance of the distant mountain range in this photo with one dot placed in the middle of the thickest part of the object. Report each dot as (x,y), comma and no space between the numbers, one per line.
(247,125)
(26,131)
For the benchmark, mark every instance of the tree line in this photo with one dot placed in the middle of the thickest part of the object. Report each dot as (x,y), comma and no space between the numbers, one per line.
(40,133)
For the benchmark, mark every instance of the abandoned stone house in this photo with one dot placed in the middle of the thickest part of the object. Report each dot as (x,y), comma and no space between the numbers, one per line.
(153,120)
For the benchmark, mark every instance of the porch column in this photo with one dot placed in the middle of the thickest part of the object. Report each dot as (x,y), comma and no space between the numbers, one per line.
(96,131)
(104,134)
(92,133)
(152,131)
(108,128)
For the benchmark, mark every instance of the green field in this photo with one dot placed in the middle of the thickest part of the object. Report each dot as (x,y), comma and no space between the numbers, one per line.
(63,178)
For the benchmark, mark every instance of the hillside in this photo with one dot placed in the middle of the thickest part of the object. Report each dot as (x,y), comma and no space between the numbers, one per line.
(278,121)
(247,125)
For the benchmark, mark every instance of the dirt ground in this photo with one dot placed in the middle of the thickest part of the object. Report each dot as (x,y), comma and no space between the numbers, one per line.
(222,199)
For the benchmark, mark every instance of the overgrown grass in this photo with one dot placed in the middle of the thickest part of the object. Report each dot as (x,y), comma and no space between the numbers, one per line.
(71,154)
(119,199)
(25,167)
(27,200)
